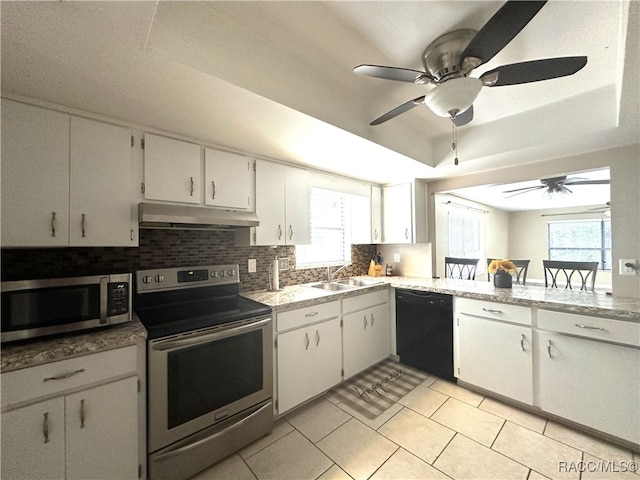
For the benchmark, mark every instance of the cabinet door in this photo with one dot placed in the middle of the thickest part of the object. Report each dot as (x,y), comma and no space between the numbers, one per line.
(495,356)
(227,179)
(33,441)
(35,176)
(327,343)
(376,214)
(397,214)
(102,431)
(593,383)
(297,209)
(270,194)
(366,338)
(295,354)
(101,203)
(171,170)
(360,219)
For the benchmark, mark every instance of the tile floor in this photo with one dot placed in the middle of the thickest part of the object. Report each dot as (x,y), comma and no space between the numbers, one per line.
(438,431)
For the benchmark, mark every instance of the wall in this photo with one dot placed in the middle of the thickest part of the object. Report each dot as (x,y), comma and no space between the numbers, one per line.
(415,260)
(170,248)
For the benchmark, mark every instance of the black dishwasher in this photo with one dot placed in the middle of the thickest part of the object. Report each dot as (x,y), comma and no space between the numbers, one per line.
(424,331)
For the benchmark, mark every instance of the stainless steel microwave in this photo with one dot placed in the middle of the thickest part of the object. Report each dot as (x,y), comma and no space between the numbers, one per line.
(35,308)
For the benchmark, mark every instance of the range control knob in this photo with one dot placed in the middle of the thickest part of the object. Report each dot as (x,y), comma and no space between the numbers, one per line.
(159,278)
(231,273)
(222,273)
(147,279)
(214,274)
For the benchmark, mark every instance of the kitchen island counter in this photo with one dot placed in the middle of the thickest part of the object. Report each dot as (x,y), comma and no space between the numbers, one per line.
(563,300)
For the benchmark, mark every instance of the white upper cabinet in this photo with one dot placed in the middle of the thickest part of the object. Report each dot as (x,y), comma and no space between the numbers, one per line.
(66,180)
(282,205)
(172,170)
(404,213)
(376,214)
(227,179)
(360,219)
(100,205)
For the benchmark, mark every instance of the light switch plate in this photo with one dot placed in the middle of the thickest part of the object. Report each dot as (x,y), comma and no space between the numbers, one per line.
(396,257)
(251,265)
(624,270)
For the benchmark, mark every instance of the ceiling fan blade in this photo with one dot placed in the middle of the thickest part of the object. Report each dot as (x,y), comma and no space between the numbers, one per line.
(587,182)
(463,118)
(519,191)
(393,73)
(505,24)
(533,71)
(405,107)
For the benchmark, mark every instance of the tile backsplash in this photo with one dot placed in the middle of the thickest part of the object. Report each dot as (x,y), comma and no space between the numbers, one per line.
(170,248)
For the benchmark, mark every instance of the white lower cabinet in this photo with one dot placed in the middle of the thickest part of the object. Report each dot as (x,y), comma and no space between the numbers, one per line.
(494,347)
(366,331)
(589,381)
(85,433)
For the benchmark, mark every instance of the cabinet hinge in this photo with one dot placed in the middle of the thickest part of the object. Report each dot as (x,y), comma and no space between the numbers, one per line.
(133,141)
(139,471)
(254,166)
(142,143)
(277,405)
(341,323)
(142,187)
(139,386)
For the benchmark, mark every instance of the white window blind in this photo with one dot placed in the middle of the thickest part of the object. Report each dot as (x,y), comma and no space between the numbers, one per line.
(466,235)
(330,239)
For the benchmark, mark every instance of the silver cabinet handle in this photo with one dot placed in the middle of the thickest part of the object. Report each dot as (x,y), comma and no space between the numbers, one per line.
(522,342)
(306,341)
(491,310)
(365,321)
(290,232)
(579,325)
(213,190)
(406,233)
(279,231)
(83,225)
(191,193)
(63,376)
(372,319)
(82,413)
(311,314)
(549,348)
(45,427)
(317,338)
(53,224)
(375,233)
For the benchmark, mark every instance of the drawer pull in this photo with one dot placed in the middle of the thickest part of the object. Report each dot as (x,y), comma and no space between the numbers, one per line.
(45,427)
(579,325)
(311,314)
(82,413)
(522,342)
(317,338)
(306,341)
(63,376)
(365,321)
(549,348)
(372,319)
(491,310)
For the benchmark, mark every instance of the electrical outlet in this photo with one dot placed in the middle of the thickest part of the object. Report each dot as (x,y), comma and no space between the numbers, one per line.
(252,265)
(283,264)
(628,270)
(396,257)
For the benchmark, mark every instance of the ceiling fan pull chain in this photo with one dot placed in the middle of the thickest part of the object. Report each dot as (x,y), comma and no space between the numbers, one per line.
(454,144)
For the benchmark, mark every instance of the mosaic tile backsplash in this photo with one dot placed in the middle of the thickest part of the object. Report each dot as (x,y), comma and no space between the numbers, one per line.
(170,248)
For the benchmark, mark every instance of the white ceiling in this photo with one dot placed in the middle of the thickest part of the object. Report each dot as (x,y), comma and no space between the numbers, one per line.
(275,78)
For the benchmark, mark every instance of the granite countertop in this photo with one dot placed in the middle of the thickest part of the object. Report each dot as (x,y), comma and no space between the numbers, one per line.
(50,349)
(572,301)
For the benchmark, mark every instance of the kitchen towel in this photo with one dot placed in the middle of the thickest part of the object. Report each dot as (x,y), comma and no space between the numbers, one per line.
(375,389)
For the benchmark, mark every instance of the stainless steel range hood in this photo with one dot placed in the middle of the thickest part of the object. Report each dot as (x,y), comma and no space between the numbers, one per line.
(158,215)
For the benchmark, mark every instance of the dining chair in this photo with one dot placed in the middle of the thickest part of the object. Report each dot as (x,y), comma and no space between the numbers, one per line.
(522,266)
(571,270)
(461,268)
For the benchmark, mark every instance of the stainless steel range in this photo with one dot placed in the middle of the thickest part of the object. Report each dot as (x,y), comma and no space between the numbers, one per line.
(209,365)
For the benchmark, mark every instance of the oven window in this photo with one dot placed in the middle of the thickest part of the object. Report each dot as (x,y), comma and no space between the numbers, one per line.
(207,377)
(49,306)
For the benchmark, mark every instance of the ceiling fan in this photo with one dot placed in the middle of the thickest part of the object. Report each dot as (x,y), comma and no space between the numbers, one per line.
(449,60)
(556,185)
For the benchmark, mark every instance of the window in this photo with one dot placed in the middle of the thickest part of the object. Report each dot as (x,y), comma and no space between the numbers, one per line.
(581,241)
(466,235)
(330,239)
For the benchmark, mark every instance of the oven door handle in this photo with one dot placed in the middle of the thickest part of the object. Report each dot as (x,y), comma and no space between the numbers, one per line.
(206,337)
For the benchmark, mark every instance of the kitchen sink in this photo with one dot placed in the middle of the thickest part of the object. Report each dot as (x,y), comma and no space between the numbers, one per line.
(358,282)
(332,286)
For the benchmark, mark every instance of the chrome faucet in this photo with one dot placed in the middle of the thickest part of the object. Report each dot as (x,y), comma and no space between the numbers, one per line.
(331,275)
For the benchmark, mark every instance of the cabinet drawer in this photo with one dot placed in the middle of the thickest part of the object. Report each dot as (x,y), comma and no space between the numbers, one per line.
(494,310)
(618,331)
(351,304)
(34,382)
(304,316)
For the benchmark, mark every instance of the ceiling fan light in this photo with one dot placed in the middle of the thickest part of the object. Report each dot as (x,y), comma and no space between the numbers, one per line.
(455,95)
